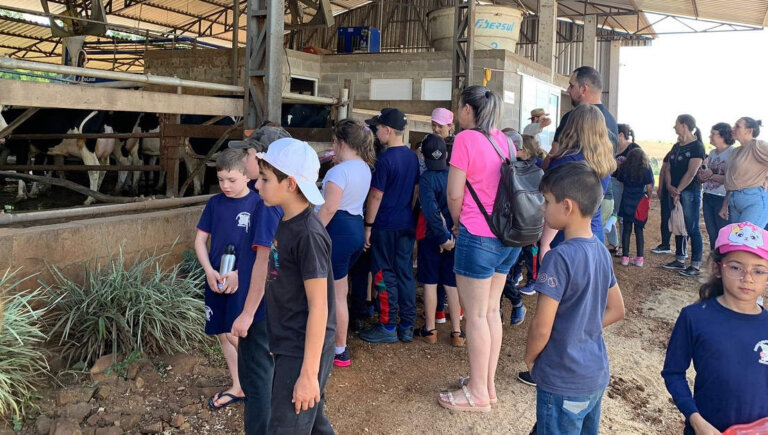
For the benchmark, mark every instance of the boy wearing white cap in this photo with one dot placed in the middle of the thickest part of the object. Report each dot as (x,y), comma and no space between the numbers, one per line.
(299,294)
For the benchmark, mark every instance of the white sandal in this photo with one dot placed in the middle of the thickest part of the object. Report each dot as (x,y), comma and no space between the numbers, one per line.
(470,406)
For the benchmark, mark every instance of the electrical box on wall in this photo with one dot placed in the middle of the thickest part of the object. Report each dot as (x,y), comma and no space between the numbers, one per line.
(358,40)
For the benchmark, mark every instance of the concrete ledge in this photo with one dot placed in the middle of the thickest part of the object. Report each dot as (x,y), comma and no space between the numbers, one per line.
(69,245)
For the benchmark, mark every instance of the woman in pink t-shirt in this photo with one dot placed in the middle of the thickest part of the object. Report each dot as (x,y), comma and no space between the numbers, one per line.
(482,262)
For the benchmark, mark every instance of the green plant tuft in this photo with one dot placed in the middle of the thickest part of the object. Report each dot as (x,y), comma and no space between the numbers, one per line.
(125,307)
(22,364)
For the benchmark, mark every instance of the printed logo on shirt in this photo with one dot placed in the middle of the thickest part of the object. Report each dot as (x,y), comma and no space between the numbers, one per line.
(274,262)
(208,313)
(762,348)
(244,220)
(543,277)
(552,282)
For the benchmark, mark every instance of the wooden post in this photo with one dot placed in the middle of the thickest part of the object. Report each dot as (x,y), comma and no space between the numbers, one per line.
(170,147)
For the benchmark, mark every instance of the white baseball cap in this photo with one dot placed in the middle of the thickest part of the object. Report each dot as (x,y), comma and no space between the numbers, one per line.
(296,159)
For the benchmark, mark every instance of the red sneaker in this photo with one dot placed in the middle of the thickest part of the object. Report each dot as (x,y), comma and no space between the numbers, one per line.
(439,316)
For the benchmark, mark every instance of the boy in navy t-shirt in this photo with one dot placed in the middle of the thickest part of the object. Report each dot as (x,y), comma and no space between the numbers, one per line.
(578,297)
(390,231)
(255,363)
(226,220)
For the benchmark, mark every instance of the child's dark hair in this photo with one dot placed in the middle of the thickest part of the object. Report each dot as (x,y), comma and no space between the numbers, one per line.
(231,159)
(575,181)
(265,166)
(636,165)
(627,131)
(358,137)
(725,131)
(280,175)
(714,287)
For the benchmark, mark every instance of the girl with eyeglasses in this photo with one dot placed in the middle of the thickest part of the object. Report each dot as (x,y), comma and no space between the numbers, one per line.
(726,336)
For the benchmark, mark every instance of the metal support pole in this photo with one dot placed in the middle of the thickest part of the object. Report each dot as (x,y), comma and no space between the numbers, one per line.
(264,62)
(463,40)
(235,40)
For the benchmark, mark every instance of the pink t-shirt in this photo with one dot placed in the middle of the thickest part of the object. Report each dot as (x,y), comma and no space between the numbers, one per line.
(474,154)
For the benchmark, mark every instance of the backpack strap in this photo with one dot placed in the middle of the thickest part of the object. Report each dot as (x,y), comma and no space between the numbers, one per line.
(472,190)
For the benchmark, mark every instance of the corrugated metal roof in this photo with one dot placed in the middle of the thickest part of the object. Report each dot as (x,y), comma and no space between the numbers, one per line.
(210,21)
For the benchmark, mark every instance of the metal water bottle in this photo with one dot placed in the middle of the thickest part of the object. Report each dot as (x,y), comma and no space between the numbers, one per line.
(227,262)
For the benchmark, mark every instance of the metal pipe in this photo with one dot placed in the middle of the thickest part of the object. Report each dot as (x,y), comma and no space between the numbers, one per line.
(45,136)
(82,168)
(83,212)
(301,98)
(7,62)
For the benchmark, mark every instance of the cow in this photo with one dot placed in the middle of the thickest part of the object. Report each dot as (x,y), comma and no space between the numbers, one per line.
(196,148)
(60,121)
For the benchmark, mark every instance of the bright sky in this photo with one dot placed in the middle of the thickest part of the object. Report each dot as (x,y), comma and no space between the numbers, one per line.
(714,77)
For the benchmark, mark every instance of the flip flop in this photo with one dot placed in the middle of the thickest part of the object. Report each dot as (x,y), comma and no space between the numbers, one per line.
(470,406)
(212,400)
(464,381)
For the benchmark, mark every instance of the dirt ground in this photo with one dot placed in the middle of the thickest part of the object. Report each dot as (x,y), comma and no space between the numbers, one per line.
(392,388)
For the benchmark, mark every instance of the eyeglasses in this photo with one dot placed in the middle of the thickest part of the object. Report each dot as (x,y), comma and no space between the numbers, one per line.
(734,271)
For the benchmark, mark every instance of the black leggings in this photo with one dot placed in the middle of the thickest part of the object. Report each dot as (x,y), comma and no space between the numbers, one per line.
(626,232)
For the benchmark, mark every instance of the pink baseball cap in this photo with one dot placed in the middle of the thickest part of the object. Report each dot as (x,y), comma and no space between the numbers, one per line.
(442,116)
(743,236)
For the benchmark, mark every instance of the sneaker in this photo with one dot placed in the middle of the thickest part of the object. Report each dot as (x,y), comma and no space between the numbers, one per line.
(406,334)
(440,317)
(430,336)
(461,317)
(518,279)
(638,261)
(661,249)
(690,271)
(527,289)
(625,261)
(342,359)
(458,339)
(674,265)
(518,315)
(619,252)
(525,377)
(378,334)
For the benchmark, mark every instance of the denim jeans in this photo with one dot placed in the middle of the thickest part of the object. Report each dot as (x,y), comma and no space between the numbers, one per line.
(666,211)
(567,415)
(392,268)
(711,205)
(480,257)
(284,420)
(255,367)
(691,203)
(749,205)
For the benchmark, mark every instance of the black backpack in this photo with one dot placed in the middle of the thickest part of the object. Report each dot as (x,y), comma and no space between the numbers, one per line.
(517,219)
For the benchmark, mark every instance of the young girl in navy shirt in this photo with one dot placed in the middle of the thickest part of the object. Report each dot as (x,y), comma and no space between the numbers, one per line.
(637,180)
(726,336)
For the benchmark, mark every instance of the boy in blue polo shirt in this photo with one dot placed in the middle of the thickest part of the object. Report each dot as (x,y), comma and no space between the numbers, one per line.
(578,297)
(390,231)
(226,220)
(255,363)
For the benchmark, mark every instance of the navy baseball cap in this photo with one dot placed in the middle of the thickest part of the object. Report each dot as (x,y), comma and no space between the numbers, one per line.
(390,117)
(435,152)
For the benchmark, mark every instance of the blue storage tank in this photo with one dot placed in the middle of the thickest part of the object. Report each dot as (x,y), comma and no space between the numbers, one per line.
(358,40)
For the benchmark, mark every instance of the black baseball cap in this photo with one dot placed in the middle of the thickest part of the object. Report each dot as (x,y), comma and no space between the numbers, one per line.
(435,152)
(260,138)
(390,117)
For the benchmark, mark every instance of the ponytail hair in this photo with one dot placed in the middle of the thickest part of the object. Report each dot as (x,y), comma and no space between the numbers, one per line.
(486,105)
(358,138)
(714,287)
(690,122)
(753,124)
(627,131)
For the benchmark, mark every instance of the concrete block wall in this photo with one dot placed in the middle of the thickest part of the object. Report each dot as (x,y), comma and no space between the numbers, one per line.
(69,245)
(332,70)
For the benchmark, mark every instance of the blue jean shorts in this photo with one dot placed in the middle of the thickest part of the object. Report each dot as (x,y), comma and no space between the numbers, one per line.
(480,257)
